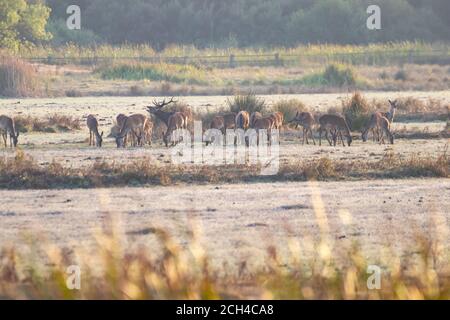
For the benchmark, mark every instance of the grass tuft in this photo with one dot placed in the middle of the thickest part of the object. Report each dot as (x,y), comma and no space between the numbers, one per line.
(248,102)
(357,111)
(51,124)
(289,108)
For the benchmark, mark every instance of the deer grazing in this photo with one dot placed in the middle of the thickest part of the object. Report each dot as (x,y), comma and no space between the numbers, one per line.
(278,119)
(92,125)
(381,123)
(176,122)
(253,117)
(307,121)
(120,120)
(334,125)
(7,126)
(135,125)
(242,122)
(222,123)
(264,123)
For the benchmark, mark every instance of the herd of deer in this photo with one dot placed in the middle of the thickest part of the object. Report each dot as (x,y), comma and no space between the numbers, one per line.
(137,128)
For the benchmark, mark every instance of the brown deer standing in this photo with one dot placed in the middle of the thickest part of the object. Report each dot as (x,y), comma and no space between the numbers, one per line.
(92,124)
(242,122)
(334,124)
(278,120)
(7,126)
(120,120)
(222,123)
(134,125)
(378,121)
(264,123)
(254,116)
(218,123)
(307,121)
(390,115)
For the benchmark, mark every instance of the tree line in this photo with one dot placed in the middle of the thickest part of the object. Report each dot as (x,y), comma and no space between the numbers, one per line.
(238,23)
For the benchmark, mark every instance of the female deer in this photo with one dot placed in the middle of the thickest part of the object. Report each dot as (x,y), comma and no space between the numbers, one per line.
(334,124)
(7,126)
(92,124)
(307,121)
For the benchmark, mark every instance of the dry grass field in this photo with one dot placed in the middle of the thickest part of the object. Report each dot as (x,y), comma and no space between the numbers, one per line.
(382,197)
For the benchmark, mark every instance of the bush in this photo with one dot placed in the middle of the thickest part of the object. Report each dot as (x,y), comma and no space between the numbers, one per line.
(73,93)
(340,75)
(17,78)
(137,91)
(249,103)
(289,108)
(357,111)
(51,124)
(334,75)
(156,72)
(401,75)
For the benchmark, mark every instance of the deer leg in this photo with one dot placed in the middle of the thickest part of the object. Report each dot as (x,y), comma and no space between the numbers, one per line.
(4,136)
(381,138)
(328,138)
(312,136)
(320,136)
(342,138)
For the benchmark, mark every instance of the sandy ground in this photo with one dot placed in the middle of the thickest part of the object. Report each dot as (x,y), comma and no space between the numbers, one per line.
(238,222)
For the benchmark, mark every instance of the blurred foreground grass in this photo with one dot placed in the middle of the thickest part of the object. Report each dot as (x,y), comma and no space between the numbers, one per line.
(174,271)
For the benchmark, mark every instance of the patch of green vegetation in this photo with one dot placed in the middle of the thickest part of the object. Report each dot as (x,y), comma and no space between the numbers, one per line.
(187,74)
(334,75)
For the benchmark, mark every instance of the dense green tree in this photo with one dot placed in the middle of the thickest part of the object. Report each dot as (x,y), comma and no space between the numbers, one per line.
(250,22)
(22,22)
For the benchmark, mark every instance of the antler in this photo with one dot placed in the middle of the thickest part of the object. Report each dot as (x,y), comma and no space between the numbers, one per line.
(163,103)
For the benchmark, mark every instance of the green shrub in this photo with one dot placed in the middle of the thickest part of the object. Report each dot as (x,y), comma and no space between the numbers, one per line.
(157,72)
(401,75)
(334,75)
(249,103)
(357,111)
(340,75)
(289,108)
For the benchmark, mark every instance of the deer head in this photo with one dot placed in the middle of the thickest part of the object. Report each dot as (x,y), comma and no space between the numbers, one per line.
(394,104)
(159,105)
